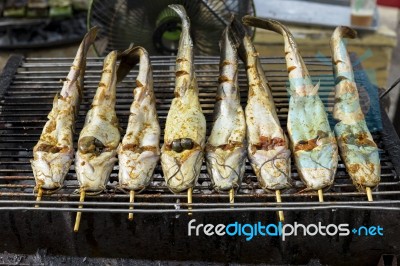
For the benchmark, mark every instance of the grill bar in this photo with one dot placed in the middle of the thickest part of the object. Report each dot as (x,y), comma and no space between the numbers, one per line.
(27,97)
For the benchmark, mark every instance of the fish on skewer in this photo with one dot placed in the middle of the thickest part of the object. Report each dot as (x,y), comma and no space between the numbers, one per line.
(100,136)
(313,142)
(185,129)
(268,146)
(356,145)
(54,152)
(139,151)
(226,146)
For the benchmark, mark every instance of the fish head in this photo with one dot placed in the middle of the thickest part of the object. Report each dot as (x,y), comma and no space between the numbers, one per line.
(181,169)
(50,168)
(136,168)
(362,164)
(317,166)
(272,167)
(93,170)
(226,167)
(359,153)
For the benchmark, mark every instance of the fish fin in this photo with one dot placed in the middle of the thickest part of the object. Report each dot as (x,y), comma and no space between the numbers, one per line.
(129,59)
(315,89)
(55,100)
(291,90)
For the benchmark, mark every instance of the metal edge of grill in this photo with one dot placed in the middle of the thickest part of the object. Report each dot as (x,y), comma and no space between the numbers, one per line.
(27,87)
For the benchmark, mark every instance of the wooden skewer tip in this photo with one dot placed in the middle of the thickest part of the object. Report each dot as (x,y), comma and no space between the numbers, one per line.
(369,194)
(279,200)
(131,200)
(189,198)
(79,214)
(232,196)
(320,195)
(39,196)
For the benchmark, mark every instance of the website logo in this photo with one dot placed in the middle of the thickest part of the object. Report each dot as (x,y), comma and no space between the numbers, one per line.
(280,230)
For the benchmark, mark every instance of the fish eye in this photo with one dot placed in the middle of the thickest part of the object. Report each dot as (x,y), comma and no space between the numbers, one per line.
(98,143)
(321,134)
(86,144)
(187,143)
(176,145)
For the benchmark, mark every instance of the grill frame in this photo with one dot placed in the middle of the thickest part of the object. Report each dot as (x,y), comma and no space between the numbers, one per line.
(12,86)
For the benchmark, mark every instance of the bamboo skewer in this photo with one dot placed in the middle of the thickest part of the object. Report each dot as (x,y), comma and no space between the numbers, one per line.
(39,196)
(189,199)
(79,214)
(131,200)
(231,196)
(279,200)
(369,194)
(320,195)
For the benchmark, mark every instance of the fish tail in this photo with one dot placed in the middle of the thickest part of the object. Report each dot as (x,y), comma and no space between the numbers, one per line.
(77,71)
(87,41)
(268,24)
(184,60)
(129,59)
(299,78)
(185,42)
(180,10)
(342,66)
(345,32)
(105,93)
(228,67)
(79,63)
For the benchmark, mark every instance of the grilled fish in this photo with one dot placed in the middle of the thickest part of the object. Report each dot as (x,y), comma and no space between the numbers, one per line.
(313,142)
(268,146)
(226,147)
(54,152)
(139,151)
(185,128)
(100,136)
(356,145)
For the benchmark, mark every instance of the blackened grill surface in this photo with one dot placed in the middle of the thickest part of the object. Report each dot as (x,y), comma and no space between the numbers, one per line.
(29,97)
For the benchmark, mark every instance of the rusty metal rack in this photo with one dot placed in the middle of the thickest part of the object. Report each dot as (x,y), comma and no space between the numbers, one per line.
(27,89)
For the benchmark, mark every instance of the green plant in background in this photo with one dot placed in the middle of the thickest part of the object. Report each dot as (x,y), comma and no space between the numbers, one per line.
(358,5)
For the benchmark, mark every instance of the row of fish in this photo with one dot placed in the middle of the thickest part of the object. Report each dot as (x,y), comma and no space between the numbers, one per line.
(255,132)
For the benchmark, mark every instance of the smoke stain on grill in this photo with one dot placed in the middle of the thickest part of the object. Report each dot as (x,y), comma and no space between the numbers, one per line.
(116,220)
(14,228)
(89,234)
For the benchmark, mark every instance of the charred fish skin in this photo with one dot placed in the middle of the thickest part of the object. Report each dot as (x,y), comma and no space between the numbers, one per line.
(100,136)
(185,129)
(226,145)
(268,146)
(54,152)
(139,150)
(313,142)
(356,145)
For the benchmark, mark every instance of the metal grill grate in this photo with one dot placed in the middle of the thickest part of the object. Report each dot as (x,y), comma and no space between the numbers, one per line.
(28,99)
